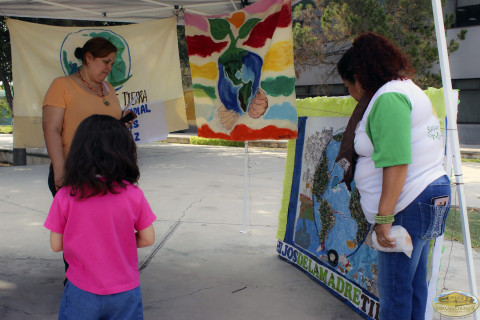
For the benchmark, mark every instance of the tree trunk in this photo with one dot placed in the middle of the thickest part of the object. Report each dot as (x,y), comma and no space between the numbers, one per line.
(8,91)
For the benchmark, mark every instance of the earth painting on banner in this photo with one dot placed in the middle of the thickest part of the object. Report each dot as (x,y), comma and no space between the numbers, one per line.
(120,72)
(146,53)
(329,224)
(242,72)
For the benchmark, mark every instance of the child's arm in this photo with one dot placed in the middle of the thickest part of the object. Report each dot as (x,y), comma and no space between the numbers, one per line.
(145,237)
(56,241)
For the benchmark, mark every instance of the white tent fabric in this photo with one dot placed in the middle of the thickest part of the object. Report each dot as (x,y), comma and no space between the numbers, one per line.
(113,10)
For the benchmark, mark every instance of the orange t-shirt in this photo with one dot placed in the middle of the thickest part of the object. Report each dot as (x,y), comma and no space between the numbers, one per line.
(65,93)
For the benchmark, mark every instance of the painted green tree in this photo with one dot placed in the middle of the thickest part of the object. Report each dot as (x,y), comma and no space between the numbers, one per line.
(321,176)
(357,214)
(408,23)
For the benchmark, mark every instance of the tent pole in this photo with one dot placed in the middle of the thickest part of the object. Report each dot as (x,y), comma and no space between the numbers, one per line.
(245,190)
(452,132)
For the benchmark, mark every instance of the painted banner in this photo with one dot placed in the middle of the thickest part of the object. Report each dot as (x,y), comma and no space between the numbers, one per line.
(242,72)
(151,123)
(147,65)
(322,229)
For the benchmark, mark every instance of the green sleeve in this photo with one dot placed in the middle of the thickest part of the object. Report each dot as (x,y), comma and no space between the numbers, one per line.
(389,129)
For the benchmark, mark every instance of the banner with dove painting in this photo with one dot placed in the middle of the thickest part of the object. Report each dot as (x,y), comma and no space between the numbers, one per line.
(242,72)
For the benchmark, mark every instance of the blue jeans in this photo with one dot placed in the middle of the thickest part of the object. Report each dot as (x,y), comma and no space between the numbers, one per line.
(82,305)
(402,281)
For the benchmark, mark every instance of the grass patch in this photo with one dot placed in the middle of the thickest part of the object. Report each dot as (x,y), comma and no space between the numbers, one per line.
(216,142)
(6,129)
(453,229)
(470,160)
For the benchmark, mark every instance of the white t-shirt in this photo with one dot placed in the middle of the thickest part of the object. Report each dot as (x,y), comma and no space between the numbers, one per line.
(398,127)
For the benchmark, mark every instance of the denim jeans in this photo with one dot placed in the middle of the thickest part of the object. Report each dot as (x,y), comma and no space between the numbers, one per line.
(402,281)
(82,305)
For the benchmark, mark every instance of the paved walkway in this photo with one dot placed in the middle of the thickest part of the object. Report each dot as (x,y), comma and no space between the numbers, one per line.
(201,266)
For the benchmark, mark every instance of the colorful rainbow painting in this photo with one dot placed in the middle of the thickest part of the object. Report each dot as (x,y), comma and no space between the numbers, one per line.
(242,72)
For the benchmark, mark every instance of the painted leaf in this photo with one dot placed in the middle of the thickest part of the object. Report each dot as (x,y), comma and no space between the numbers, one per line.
(247,27)
(219,28)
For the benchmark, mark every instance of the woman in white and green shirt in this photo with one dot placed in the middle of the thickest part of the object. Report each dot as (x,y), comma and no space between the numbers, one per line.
(399,169)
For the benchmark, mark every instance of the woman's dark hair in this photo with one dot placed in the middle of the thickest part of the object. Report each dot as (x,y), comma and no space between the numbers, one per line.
(102,157)
(374,60)
(99,48)
(345,66)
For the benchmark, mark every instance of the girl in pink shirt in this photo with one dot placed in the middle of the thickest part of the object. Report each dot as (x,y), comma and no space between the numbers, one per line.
(99,219)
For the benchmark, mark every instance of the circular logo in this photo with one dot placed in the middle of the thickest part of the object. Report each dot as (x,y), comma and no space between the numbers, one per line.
(455,303)
(121,68)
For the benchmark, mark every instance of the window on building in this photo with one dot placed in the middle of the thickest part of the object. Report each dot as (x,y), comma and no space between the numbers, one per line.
(321,90)
(467,13)
(469,95)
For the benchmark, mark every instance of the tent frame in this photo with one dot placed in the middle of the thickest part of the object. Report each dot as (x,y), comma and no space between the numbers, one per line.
(450,96)
(451,102)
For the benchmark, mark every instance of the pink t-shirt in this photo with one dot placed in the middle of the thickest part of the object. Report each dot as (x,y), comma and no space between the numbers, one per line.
(99,237)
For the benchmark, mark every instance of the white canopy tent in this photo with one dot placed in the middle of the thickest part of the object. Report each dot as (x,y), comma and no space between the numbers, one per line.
(112,10)
(136,11)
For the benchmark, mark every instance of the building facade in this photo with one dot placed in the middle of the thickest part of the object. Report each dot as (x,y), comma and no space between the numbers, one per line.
(464,68)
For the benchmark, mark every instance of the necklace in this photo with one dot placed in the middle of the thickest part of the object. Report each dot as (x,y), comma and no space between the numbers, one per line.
(101,94)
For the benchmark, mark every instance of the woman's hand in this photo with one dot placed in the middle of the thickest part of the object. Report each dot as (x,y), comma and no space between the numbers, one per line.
(128,124)
(58,175)
(383,239)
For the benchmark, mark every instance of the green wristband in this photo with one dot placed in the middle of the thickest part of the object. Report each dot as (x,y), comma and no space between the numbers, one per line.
(384,219)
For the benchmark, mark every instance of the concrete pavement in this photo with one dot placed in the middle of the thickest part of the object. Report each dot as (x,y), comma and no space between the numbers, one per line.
(201,266)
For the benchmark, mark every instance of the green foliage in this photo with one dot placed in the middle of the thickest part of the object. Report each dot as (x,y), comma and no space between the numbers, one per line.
(216,142)
(408,23)
(470,160)
(453,230)
(6,129)
(6,62)
(184,61)
(5,112)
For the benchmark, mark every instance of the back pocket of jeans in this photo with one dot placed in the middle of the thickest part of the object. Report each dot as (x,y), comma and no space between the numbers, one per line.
(433,220)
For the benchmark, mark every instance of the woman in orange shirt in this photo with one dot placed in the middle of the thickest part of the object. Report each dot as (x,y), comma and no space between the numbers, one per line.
(71,99)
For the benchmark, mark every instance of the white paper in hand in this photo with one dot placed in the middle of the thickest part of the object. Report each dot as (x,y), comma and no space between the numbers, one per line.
(403,241)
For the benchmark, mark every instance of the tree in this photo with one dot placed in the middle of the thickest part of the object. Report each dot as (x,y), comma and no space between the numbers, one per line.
(5,113)
(184,61)
(408,23)
(6,63)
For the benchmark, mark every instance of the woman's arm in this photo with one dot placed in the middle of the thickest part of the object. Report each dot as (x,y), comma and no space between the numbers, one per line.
(392,185)
(145,237)
(52,122)
(56,241)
